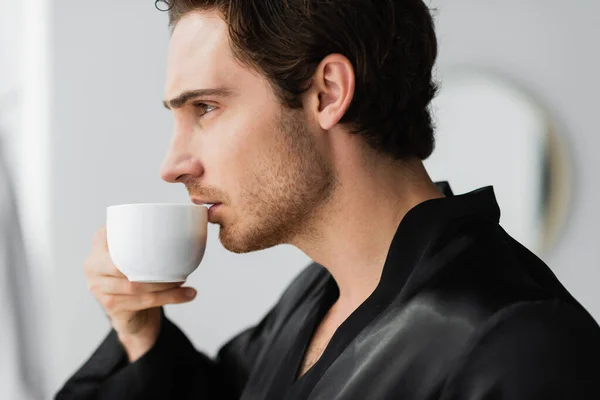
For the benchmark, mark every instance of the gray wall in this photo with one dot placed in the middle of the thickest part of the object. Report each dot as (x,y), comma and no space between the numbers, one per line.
(109,134)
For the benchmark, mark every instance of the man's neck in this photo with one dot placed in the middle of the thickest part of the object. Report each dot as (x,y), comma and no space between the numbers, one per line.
(352,233)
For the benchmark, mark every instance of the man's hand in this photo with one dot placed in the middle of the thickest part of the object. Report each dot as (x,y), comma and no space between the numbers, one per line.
(133,307)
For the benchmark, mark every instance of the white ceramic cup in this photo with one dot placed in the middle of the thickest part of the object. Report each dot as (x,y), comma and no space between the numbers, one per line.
(156,242)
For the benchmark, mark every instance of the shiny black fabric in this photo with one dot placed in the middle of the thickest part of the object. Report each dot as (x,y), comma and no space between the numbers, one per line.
(462,312)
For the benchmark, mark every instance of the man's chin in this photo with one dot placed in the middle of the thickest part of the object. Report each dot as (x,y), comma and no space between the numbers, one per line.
(241,244)
(234,243)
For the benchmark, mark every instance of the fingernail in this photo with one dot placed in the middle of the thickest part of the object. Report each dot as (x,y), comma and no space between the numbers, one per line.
(190,293)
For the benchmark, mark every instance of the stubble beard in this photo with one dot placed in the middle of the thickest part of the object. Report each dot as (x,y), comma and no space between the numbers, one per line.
(283,197)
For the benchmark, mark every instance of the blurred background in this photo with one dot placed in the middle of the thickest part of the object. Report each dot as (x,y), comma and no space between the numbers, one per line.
(82,127)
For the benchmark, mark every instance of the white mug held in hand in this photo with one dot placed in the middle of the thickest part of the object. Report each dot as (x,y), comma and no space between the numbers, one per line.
(156,242)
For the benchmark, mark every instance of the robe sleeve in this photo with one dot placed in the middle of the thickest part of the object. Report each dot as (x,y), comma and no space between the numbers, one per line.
(174,369)
(531,351)
(171,369)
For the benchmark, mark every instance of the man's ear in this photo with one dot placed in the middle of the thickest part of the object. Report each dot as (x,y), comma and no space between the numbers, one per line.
(333,84)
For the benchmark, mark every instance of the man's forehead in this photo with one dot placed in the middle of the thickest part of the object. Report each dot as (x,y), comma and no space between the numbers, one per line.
(199,54)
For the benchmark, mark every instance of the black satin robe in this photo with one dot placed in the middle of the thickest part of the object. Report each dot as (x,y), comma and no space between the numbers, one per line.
(462,312)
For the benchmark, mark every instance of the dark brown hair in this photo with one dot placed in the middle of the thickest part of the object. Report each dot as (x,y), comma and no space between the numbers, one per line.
(390,43)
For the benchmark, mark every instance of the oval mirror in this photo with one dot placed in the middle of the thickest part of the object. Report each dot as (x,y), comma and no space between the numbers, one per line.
(489,132)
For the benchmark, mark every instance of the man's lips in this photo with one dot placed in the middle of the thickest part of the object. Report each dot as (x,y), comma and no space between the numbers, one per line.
(203,202)
(212,207)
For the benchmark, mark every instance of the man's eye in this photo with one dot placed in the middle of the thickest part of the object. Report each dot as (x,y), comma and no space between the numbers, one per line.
(204,108)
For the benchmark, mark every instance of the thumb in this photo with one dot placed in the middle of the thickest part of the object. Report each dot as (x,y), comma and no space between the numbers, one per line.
(172,296)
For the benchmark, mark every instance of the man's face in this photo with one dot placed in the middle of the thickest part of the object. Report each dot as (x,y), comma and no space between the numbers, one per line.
(236,145)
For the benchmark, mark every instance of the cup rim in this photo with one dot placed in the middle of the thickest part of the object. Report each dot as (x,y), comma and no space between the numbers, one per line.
(154,205)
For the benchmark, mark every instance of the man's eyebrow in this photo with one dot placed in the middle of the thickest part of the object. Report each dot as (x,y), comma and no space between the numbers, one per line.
(188,95)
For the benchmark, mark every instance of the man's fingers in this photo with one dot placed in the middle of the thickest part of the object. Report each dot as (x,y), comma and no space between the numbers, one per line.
(107,268)
(100,265)
(115,285)
(99,239)
(131,303)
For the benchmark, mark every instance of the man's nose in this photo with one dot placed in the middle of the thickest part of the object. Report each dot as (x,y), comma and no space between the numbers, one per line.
(179,164)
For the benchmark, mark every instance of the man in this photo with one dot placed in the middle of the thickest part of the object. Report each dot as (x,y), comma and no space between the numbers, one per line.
(306,122)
